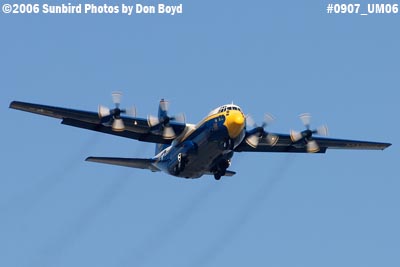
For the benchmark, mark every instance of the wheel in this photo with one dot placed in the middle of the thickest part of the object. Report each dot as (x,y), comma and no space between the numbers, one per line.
(228,144)
(217,176)
(181,162)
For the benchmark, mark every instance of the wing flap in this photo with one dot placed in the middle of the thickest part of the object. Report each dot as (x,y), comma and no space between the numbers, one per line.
(126,162)
(132,134)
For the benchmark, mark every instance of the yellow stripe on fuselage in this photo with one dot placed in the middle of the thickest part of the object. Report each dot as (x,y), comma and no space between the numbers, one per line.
(234,122)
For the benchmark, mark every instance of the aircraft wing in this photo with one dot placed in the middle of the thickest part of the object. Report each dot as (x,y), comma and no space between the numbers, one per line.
(285,144)
(135,128)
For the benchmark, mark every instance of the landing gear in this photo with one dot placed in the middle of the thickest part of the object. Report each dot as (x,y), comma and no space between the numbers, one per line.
(228,144)
(219,173)
(220,169)
(181,164)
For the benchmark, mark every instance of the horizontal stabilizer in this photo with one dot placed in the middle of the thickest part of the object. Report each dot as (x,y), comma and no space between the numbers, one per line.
(126,162)
(227,173)
(230,173)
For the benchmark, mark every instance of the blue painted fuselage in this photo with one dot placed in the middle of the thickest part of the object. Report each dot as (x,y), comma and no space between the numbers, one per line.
(205,149)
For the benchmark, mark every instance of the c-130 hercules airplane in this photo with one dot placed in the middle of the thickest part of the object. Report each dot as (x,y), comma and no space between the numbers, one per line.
(189,150)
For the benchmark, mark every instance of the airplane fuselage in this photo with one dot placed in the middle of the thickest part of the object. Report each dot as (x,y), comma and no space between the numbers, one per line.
(206,148)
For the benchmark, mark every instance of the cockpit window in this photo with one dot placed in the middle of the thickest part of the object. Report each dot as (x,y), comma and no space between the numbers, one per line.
(224,109)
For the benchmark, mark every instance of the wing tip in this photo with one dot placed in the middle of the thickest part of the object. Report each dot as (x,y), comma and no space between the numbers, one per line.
(385,145)
(96,159)
(13,104)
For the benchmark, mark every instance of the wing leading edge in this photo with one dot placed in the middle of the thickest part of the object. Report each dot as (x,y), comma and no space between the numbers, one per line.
(285,144)
(135,128)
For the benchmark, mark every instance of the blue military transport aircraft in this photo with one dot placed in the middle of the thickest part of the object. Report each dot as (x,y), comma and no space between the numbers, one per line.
(192,150)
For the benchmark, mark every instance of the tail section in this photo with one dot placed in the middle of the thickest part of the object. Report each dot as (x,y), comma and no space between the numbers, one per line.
(162,113)
(160,147)
(163,109)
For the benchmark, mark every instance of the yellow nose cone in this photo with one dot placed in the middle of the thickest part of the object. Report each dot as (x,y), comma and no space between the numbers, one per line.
(234,122)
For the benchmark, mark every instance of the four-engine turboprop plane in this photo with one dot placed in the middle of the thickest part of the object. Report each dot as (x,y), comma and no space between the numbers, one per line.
(192,150)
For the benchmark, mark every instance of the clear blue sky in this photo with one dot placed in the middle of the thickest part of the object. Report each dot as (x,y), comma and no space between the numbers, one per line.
(286,58)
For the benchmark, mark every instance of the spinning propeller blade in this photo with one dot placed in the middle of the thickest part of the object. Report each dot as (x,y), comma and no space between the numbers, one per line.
(103,111)
(306,135)
(162,122)
(322,130)
(168,132)
(152,120)
(118,125)
(113,116)
(179,118)
(305,119)
(259,132)
(295,135)
(312,146)
(116,98)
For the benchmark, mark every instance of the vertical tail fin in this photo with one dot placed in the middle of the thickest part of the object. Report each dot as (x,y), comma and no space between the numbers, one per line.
(160,147)
(162,113)
(163,108)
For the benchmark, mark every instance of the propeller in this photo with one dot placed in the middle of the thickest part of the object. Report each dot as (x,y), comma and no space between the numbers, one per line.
(306,135)
(162,122)
(113,116)
(258,132)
